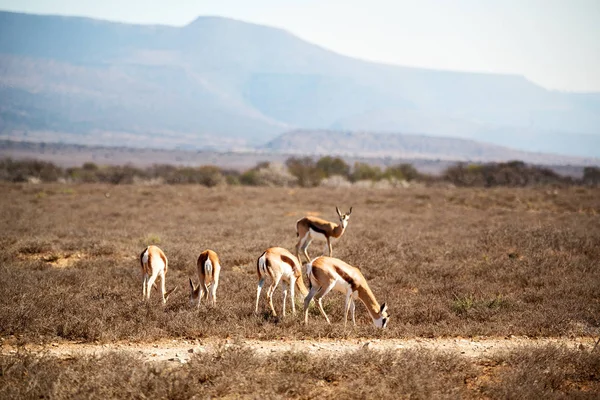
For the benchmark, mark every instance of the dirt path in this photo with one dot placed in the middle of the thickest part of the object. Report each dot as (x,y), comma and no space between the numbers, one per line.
(181,350)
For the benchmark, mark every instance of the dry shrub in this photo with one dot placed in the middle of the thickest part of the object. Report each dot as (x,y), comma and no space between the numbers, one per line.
(336,181)
(513,174)
(365,172)
(529,373)
(302,171)
(274,174)
(238,372)
(25,170)
(591,176)
(305,170)
(549,372)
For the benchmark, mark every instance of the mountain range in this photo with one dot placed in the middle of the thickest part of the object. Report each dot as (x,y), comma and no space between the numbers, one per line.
(222,84)
(408,147)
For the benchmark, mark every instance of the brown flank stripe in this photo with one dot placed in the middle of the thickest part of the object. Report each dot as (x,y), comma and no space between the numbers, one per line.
(316,229)
(142,259)
(288,261)
(346,277)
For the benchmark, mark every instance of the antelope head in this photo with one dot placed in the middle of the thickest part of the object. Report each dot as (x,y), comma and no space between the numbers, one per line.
(384,317)
(344,218)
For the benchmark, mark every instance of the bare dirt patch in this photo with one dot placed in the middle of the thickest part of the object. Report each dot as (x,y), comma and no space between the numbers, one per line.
(182,350)
(57,260)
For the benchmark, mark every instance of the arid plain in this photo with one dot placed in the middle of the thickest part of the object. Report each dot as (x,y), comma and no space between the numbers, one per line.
(452,264)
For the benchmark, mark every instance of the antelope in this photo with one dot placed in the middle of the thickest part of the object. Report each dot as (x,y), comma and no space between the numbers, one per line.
(209,268)
(309,226)
(280,265)
(154,263)
(327,273)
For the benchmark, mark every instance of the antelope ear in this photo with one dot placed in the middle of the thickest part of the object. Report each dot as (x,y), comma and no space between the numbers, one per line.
(170,292)
(383,308)
(338,211)
(191,284)
(350,212)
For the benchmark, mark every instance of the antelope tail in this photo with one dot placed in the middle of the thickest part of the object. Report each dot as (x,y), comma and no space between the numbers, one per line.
(208,267)
(309,273)
(261,265)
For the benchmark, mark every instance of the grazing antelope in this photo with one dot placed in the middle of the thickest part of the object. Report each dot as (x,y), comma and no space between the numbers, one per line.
(154,263)
(327,273)
(209,268)
(280,265)
(308,227)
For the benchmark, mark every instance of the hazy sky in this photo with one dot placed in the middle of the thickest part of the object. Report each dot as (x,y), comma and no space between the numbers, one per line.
(555,43)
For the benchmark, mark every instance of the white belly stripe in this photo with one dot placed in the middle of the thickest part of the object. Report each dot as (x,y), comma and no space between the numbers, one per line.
(316,235)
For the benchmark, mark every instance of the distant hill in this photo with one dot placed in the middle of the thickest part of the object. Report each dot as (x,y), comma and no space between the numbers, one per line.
(379,145)
(72,155)
(218,83)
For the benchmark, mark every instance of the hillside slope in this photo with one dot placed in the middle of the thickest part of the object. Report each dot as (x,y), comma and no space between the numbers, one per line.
(220,83)
(401,146)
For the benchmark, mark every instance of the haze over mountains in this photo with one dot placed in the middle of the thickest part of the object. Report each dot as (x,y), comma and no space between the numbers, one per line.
(409,147)
(224,84)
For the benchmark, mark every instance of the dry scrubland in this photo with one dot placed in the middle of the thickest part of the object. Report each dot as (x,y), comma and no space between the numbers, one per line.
(530,373)
(448,262)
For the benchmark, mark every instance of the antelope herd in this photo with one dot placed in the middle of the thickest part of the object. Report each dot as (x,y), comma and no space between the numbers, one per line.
(323,273)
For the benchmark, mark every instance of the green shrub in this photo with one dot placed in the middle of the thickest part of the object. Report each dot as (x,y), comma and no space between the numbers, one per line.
(591,176)
(402,172)
(363,171)
(305,170)
(331,166)
(23,170)
(513,173)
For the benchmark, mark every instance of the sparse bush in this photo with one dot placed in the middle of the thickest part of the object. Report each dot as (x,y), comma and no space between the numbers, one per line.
(250,178)
(591,176)
(513,173)
(232,177)
(464,175)
(268,174)
(275,175)
(305,170)
(23,170)
(402,172)
(82,175)
(363,171)
(120,174)
(207,175)
(336,181)
(331,166)
(89,166)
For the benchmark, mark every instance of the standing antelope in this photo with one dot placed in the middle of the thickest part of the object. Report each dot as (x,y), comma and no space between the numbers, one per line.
(309,226)
(280,265)
(154,263)
(327,273)
(209,269)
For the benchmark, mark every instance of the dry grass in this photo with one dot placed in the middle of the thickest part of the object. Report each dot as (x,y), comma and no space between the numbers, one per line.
(529,373)
(550,372)
(447,261)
